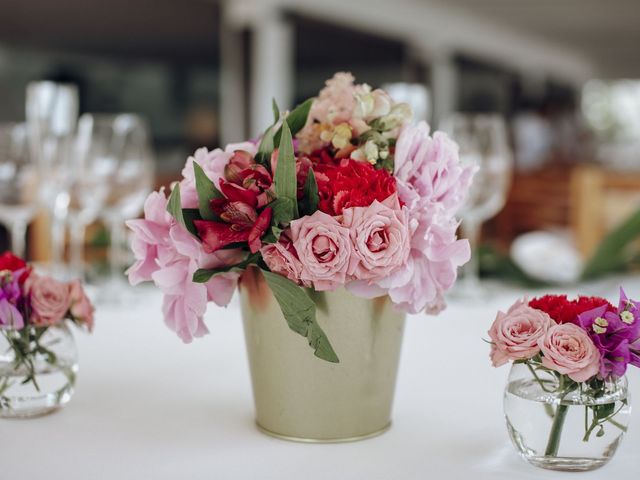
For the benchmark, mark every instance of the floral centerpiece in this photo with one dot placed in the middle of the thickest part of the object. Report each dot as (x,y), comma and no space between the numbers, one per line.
(38,361)
(569,356)
(340,193)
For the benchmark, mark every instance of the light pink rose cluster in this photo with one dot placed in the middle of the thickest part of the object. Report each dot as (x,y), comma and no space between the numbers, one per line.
(52,302)
(168,254)
(365,244)
(525,332)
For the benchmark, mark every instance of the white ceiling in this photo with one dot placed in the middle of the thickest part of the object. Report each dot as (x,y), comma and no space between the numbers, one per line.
(606,31)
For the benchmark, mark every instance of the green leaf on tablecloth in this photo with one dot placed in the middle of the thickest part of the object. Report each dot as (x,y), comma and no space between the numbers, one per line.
(203,275)
(300,313)
(207,191)
(174,207)
(614,253)
(310,198)
(286,185)
(296,120)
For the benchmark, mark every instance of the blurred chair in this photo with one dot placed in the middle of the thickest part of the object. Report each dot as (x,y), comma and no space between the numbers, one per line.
(600,200)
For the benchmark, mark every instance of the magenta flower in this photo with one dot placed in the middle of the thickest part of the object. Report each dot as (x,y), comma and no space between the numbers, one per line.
(615,334)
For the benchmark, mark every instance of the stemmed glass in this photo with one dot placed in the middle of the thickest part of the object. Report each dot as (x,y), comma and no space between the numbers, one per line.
(483,143)
(52,115)
(130,183)
(18,184)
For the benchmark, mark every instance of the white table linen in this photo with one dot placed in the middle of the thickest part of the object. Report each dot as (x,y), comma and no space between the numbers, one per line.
(149,407)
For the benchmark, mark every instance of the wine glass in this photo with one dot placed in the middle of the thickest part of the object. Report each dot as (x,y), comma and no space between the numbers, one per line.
(18,184)
(130,183)
(483,143)
(52,115)
(94,164)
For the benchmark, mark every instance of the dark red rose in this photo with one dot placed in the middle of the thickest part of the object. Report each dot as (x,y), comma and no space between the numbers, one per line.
(563,310)
(8,261)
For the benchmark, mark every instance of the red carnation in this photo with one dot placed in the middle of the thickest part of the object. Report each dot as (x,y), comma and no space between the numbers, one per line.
(8,261)
(563,310)
(351,184)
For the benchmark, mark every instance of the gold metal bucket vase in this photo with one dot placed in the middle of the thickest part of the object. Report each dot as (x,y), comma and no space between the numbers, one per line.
(301,397)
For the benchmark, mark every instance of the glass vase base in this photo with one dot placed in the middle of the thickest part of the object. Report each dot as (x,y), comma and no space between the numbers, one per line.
(566,464)
(291,438)
(38,406)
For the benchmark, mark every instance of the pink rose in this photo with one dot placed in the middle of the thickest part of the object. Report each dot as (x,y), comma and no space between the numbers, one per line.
(568,350)
(81,308)
(324,249)
(515,334)
(380,238)
(50,300)
(281,258)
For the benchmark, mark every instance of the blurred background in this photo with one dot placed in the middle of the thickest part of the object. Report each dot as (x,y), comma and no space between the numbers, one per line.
(544,96)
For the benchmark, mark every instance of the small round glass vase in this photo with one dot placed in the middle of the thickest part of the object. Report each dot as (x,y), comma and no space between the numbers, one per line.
(38,369)
(574,428)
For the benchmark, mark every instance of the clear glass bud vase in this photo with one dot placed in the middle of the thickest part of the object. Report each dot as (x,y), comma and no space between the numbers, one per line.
(574,428)
(38,369)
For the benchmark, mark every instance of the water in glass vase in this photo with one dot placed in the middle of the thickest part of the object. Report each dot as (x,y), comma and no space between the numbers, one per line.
(573,430)
(37,372)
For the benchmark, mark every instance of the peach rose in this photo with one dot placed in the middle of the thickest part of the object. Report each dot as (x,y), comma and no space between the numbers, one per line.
(81,308)
(50,300)
(515,334)
(281,259)
(380,238)
(324,250)
(568,350)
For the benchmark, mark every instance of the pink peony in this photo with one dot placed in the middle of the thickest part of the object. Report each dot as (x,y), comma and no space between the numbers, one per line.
(428,168)
(81,308)
(150,237)
(380,238)
(169,255)
(50,300)
(282,259)
(324,249)
(568,350)
(515,334)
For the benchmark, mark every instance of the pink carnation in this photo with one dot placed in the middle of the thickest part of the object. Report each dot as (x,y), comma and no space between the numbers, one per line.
(324,249)
(515,334)
(568,350)
(380,238)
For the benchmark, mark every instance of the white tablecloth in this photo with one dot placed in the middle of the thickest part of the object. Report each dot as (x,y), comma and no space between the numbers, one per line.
(149,407)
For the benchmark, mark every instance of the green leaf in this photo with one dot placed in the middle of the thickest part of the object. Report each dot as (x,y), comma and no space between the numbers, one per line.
(174,207)
(300,313)
(612,254)
(189,215)
(276,110)
(207,191)
(311,197)
(281,211)
(297,119)
(286,185)
(601,412)
(265,149)
(203,275)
